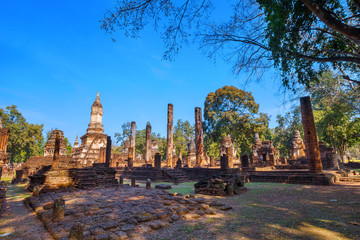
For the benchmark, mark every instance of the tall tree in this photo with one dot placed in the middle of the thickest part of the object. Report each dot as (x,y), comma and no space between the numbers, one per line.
(233,111)
(25,139)
(183,132)
(300,38)
(337,121)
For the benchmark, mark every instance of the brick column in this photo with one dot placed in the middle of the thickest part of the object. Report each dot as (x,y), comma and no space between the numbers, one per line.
(55,163)
(157,161)
(102,155)
(169,149)
(229,154)
(108,151)
(148,146)
(132,135)
(199,138)
(310,134)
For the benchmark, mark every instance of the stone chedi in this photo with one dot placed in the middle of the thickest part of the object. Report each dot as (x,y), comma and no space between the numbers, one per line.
(264,152)
(50,145)
(297,146)
(227,148)
(94,139)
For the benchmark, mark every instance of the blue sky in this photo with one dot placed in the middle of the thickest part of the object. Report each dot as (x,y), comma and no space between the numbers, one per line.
(54,59)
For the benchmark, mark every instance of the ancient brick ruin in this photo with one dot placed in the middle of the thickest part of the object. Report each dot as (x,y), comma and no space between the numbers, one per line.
(264,152)
(170,134)
(311,138)
(4,136)
(50,144)
(94,139)
(199,138)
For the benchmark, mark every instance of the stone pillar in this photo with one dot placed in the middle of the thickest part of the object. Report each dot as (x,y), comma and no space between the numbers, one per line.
(133,181)
(224,162)
(132,139)
(174,159)
(148,146)
(102,155)
(121,180)
(180,154)
(131,157)
(108,151)
(212,161)
(148,184)
(271,160)
(157,161)
(199,138)
(170,144)
(58,210)
(244,161)
(55,163)
(229,154)
(310,135)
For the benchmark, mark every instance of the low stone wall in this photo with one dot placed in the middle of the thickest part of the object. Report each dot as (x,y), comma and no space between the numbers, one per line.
(200,173)
(140,173)
(296,177)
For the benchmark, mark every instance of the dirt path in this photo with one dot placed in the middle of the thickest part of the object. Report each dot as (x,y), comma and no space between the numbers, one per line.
(17,220)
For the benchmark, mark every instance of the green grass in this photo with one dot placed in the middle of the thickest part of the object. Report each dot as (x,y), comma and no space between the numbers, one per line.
(183,188)
(16,191)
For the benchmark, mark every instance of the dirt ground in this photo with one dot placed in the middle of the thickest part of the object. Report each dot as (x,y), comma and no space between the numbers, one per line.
(265,211)
(18,222)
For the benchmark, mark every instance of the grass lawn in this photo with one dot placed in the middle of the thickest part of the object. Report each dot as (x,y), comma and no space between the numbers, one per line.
(281,211)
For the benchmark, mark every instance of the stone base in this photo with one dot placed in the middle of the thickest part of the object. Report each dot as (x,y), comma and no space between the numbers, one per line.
(296,177)
(222,185)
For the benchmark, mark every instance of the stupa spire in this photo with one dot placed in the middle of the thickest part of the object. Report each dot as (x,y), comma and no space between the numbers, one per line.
(95,124)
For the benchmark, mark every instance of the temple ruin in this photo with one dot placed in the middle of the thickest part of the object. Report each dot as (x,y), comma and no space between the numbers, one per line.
(50,144)
(170,134)
(311,138)
(4,136)
(264,152)
(297,146)
(94,138)
(199,138)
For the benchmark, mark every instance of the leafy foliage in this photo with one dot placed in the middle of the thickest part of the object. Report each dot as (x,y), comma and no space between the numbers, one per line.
(232,111)
(183,132)
(284,131)
(25,139)
(302,38)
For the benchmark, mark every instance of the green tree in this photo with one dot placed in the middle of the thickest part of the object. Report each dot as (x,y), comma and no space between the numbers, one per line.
(125,134)
(283,133)
(338,122)
(233,111)
(183,132)
(25,139)
(140,139)
(300,38)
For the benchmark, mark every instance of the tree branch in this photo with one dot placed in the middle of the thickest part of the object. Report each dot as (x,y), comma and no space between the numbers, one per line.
(326,17)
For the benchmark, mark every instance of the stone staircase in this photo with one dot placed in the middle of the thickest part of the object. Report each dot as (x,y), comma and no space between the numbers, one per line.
(93,176)
(175,175)
(84,177)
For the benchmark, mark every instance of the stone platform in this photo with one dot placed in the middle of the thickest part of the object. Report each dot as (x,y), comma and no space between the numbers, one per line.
(121,212)
(291,176)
